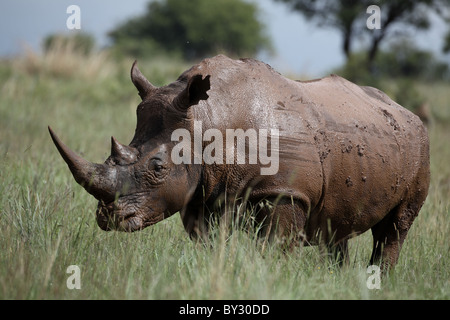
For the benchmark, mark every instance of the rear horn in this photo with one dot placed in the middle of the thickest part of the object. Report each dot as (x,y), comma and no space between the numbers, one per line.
(145,88)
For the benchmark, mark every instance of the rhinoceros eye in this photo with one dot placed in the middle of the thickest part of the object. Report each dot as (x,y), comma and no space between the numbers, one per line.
(158,169)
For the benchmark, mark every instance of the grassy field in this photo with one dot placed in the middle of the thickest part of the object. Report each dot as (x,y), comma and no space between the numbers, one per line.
(47,221)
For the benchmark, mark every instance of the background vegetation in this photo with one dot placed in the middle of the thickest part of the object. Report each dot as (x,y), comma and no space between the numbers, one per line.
(348,17)
(47,221)
(193,29)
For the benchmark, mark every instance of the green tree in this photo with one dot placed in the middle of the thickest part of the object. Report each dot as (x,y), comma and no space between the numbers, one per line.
(194,28)
(402,60)
(349,18)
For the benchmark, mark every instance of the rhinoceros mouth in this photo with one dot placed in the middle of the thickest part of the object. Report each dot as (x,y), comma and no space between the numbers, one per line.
(114,216)
(128,213)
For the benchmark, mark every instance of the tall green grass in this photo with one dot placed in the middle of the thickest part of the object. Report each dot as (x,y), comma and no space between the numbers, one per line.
(47,221)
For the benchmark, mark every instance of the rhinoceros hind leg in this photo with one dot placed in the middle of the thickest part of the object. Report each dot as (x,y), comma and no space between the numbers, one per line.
(390,233)
(387,240)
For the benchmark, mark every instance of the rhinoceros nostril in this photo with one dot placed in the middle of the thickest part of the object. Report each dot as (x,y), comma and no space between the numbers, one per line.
(105,209)
(110,207)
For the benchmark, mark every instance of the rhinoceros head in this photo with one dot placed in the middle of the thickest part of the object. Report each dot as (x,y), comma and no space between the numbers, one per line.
(138,185)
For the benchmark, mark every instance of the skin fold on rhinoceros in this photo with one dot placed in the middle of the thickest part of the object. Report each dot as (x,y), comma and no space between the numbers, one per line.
(349,159)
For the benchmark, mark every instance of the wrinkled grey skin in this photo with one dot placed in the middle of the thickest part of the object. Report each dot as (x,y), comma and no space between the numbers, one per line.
(350,158)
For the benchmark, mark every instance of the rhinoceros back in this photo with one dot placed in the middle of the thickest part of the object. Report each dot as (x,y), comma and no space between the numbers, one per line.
(372,151)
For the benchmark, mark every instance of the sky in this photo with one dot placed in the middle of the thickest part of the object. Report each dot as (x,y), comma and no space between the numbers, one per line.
(300,46)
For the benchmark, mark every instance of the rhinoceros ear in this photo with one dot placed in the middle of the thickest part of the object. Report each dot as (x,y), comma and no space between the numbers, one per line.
(195,91)
(140,82)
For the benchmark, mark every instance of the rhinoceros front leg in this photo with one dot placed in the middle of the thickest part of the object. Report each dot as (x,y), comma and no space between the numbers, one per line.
(282,220)
(194,220)
(338,252)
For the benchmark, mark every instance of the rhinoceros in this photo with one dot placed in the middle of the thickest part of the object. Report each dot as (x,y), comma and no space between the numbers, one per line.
(346,158)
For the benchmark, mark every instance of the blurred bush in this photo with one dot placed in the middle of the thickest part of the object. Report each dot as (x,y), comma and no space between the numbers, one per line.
(66,56)
(79,42)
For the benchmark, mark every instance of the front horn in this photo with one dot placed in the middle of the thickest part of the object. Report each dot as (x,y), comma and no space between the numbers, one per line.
(99,180)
